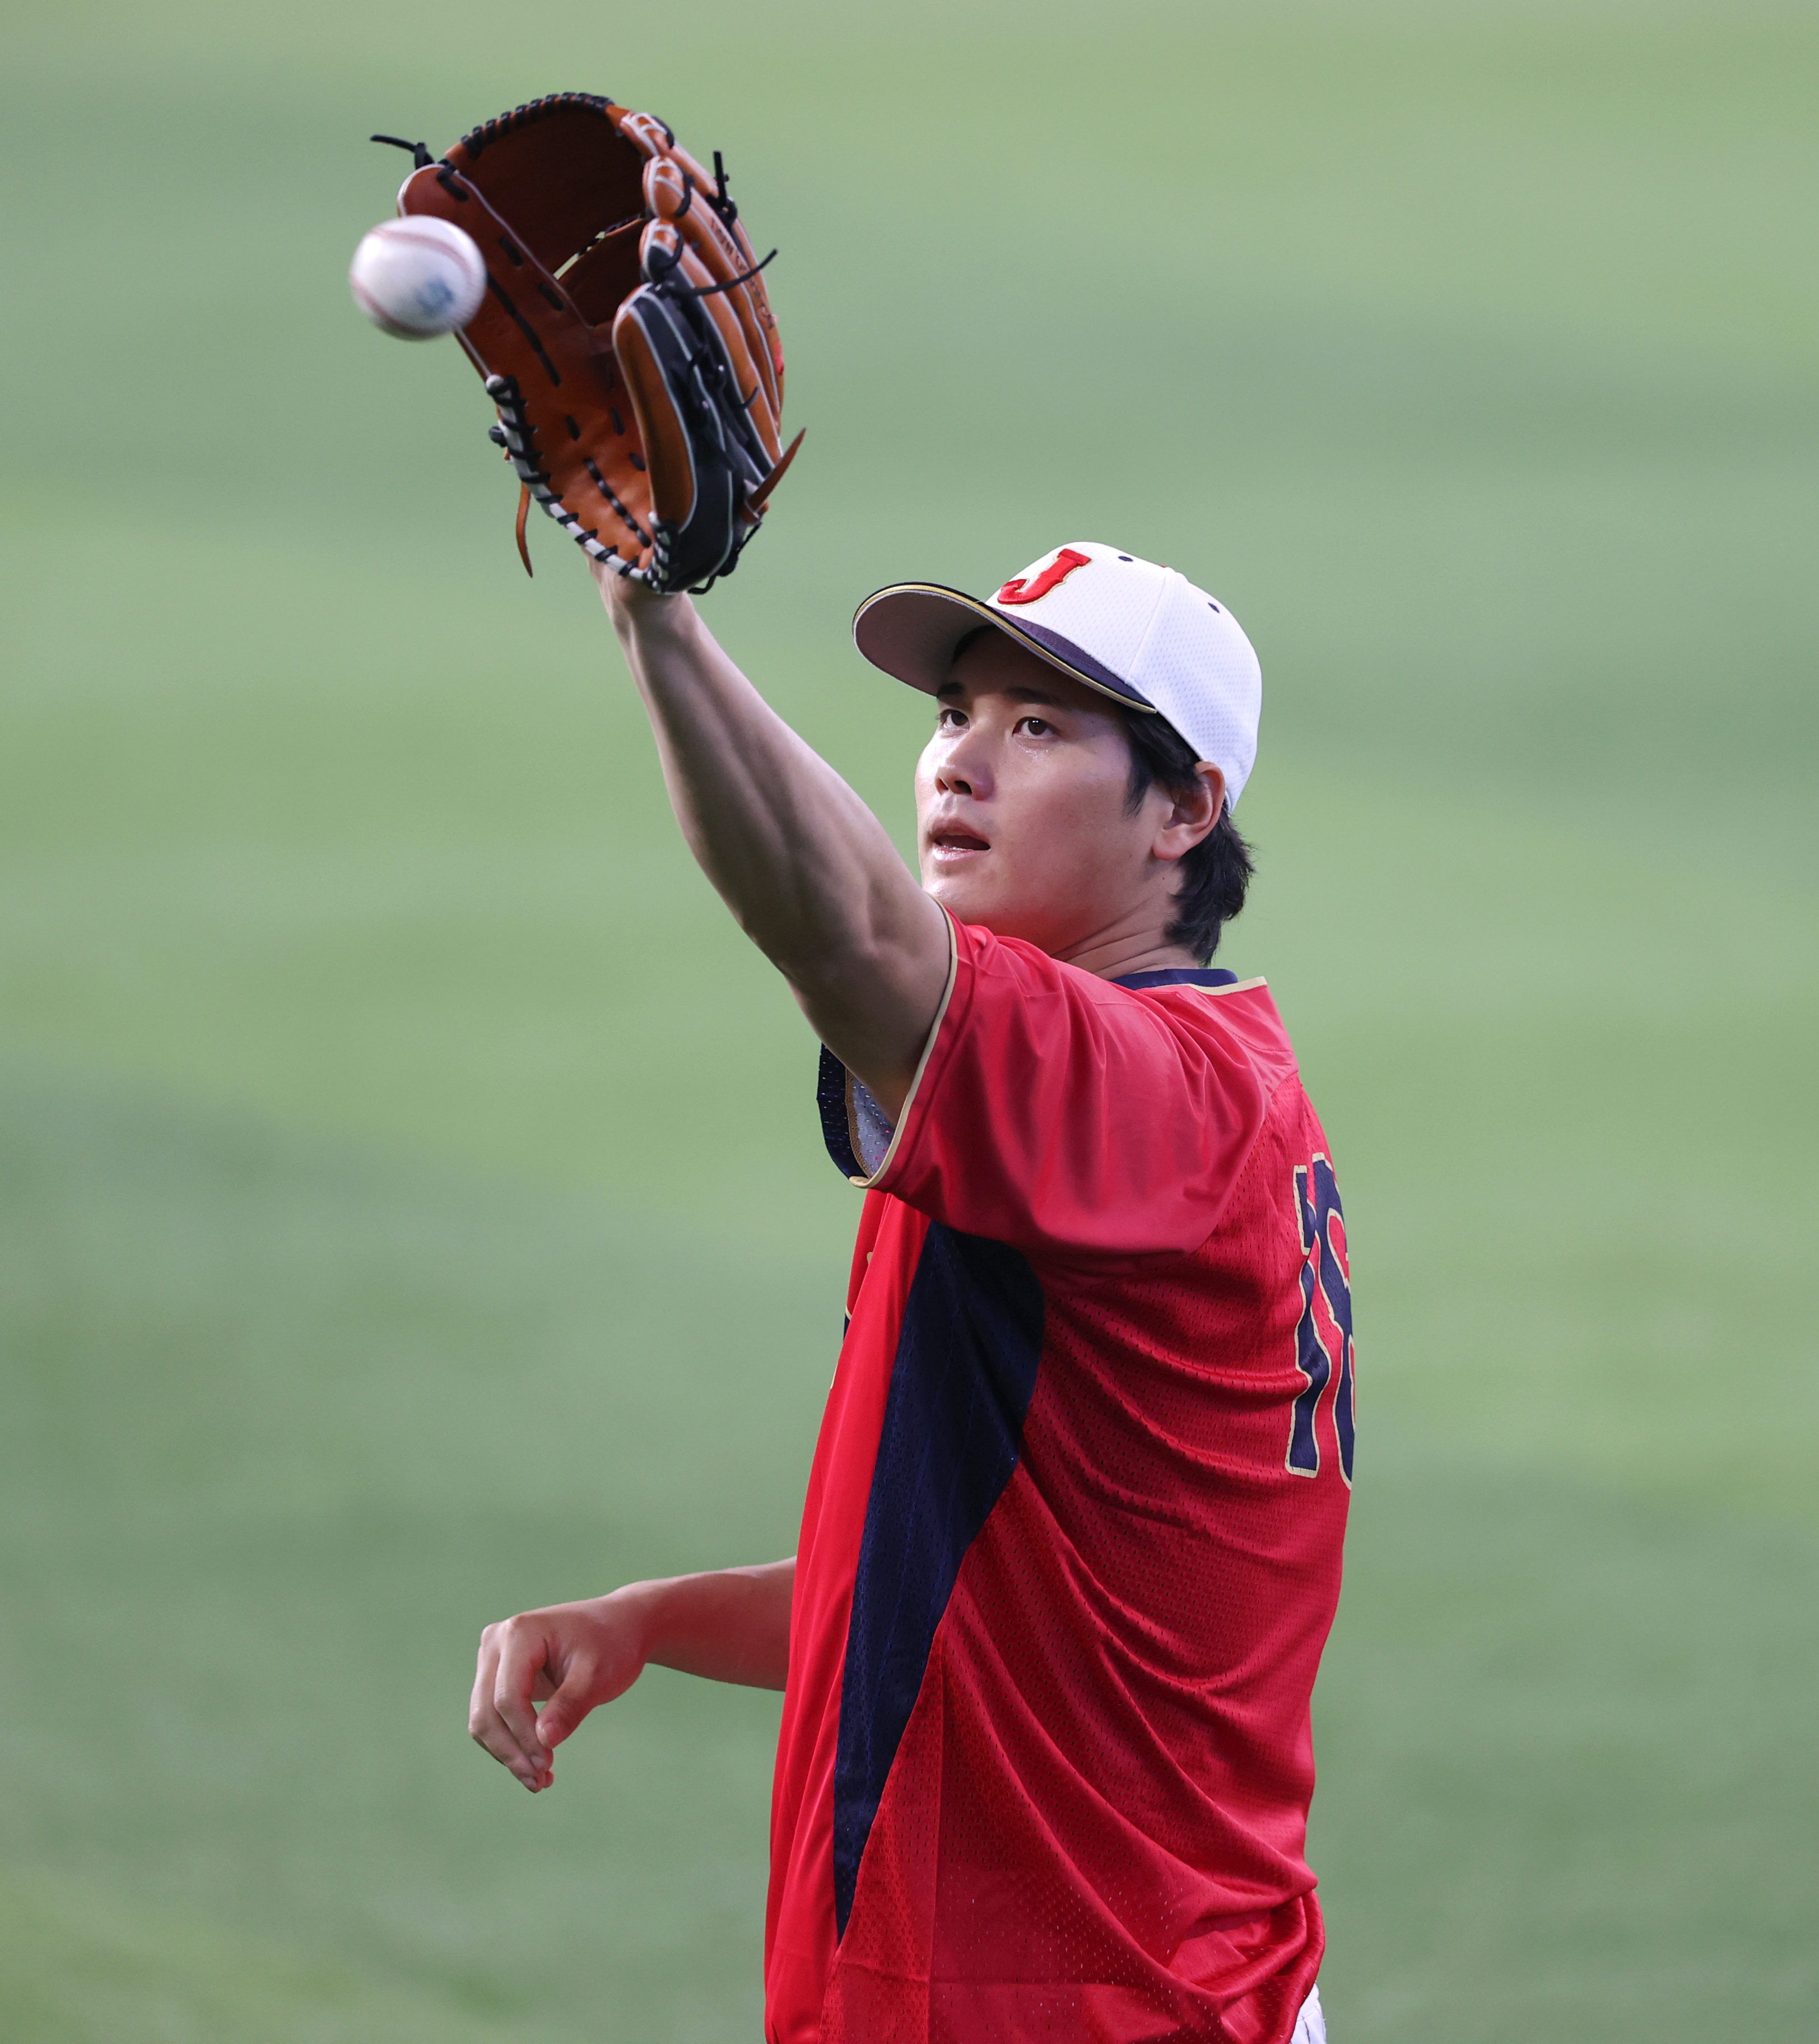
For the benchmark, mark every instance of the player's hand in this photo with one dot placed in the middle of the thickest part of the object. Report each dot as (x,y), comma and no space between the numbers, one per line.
(570,1658)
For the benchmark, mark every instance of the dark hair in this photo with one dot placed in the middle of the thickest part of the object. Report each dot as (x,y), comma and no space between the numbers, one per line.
(1215,874)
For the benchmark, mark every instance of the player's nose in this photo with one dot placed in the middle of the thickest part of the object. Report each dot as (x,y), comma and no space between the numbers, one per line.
(963,765)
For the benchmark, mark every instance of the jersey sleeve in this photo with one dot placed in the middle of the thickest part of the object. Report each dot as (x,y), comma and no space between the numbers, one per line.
(1062,1114)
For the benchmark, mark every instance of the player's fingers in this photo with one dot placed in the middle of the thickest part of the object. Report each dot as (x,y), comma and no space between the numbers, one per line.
(524,1654)
(487,1728)
(479,1702)
(571,1703)
(492,1734)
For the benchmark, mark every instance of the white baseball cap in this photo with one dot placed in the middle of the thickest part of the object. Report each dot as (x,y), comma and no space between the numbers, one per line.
(1141,634)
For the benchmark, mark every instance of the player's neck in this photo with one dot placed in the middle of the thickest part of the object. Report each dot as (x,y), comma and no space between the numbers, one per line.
(1115,954)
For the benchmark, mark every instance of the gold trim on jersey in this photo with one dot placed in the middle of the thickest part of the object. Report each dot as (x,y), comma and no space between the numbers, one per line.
(922,1066)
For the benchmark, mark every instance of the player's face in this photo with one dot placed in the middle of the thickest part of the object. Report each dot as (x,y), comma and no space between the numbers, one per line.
(1022,822)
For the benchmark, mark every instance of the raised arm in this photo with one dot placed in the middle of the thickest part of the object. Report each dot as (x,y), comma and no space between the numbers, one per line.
(731,1625)
(805,866)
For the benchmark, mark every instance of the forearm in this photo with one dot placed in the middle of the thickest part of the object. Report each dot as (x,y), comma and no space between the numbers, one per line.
(809,872)
(731,1625)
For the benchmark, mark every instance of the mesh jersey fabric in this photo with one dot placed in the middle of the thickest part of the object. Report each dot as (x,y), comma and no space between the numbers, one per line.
(1072,1539)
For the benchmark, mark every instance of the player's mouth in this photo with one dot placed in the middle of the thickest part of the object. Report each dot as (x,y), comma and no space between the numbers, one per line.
(956,844)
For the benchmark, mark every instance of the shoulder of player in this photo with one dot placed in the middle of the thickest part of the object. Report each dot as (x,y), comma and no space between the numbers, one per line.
(1239,1014)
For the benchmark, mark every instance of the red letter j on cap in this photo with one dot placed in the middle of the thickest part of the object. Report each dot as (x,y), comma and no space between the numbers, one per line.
(1055,573)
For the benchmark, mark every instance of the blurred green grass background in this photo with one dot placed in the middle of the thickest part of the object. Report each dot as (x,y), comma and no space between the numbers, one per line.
(410,1205)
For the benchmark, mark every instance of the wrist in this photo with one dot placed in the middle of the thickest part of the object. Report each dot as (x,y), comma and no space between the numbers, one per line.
(635,610)
(657,1619)
(634,1613)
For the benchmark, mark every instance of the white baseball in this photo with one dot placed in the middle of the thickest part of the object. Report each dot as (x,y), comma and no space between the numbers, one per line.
(418,277)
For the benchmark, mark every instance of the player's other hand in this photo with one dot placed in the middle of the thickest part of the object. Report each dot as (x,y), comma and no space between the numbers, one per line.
(569,1658)
(729,1625)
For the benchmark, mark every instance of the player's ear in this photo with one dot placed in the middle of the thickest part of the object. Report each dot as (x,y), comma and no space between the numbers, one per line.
(1192,813)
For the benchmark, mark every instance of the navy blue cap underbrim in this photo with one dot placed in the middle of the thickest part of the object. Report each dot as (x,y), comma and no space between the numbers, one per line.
(910,631)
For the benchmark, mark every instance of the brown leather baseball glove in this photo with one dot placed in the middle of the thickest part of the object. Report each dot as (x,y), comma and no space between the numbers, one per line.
(626,336)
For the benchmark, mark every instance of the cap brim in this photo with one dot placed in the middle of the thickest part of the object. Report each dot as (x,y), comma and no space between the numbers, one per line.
(911,630)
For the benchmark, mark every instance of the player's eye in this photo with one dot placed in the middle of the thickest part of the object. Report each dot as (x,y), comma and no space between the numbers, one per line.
(1036,726)
(948,718)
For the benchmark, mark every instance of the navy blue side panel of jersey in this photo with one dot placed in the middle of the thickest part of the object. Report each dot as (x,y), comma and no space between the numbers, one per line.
(1180,975)
(830,1097)
(961,1384)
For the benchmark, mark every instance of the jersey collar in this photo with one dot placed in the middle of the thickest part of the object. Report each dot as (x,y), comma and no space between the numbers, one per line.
(1180,975)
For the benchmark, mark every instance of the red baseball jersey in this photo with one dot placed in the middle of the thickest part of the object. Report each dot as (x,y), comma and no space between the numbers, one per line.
(1072,1540)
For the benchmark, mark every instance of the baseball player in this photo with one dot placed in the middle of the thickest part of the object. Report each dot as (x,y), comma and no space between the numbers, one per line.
(1072,1539)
